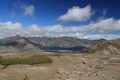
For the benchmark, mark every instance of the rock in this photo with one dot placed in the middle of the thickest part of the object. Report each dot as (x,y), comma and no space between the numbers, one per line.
(2,67)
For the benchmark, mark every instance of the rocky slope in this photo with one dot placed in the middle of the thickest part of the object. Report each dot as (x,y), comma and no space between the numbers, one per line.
(16,42)
(106,47)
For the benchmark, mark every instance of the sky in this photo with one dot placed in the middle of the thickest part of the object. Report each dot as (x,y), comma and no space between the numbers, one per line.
(86,19)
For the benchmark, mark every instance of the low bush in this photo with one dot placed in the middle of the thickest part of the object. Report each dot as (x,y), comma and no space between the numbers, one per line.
(35,59)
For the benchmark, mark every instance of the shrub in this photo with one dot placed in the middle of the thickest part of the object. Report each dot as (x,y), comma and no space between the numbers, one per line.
(83,62)
(35,59)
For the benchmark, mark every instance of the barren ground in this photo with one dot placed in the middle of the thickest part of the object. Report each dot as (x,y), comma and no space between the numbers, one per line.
(64,67)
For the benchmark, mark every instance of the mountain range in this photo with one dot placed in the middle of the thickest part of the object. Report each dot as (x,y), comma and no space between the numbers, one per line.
(37,42)
(90,46)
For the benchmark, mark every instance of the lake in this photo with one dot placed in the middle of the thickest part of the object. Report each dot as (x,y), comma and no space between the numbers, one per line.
(55,48)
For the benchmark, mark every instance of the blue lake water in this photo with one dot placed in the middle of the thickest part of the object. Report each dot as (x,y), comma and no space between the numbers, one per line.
(54,48)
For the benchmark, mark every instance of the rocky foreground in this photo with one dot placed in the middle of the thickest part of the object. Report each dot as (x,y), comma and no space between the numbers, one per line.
(65,67)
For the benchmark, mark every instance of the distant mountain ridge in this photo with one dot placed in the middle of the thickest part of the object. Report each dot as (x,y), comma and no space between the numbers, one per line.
(35,42)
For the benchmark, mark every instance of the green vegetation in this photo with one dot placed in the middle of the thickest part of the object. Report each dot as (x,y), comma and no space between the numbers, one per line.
(35,59)
(83,62)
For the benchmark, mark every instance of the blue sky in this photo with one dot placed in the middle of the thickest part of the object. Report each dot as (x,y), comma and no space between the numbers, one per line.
(89,19)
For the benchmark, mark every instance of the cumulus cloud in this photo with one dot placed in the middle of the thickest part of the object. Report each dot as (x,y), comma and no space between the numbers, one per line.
(105,25)
(28,10)
(77,14)
(101,28)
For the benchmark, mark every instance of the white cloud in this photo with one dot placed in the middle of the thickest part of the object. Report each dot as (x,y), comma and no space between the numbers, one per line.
(77,14)
(28,10)
(105,25)
(21,9)
(101,36)
(10,26)
(101,29)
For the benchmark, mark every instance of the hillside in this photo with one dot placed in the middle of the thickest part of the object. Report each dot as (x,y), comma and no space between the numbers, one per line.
(16,42)
(106,47)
